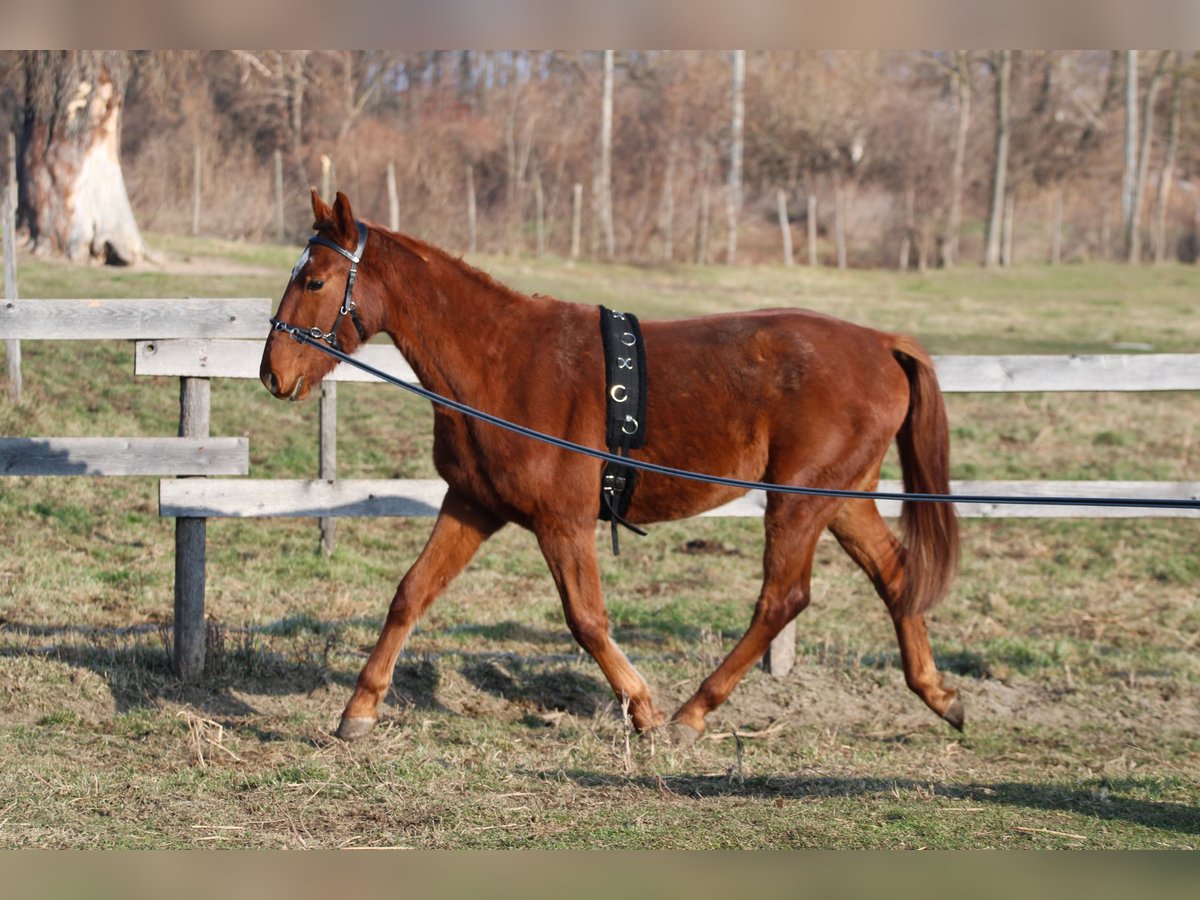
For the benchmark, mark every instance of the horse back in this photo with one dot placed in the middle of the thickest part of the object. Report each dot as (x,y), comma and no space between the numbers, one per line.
(772,395)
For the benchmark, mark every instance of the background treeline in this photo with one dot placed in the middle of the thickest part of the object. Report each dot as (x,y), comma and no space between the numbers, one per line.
(898,150)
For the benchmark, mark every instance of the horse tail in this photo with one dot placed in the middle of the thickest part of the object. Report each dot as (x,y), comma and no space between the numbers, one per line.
(929,530)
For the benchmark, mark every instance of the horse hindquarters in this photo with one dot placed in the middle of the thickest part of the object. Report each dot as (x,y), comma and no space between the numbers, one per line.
(913,575)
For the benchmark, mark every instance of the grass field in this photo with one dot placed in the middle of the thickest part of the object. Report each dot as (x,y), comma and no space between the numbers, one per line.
(1074,644)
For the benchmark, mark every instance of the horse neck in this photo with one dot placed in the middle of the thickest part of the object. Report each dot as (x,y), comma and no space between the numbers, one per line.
(449,320)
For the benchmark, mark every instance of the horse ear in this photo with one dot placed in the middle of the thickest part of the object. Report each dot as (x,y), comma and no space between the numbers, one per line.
(343,216)
(321,210)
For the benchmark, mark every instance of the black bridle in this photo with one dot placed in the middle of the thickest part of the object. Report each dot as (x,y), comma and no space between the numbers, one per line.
(348,306)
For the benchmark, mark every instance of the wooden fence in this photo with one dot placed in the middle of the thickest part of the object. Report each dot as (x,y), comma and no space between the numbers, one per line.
(192,452)
(199,340)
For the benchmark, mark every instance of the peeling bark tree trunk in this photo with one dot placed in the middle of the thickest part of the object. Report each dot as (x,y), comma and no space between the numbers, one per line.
(73,197)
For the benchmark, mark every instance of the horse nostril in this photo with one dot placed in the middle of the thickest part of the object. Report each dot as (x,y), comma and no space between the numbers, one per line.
(271,382)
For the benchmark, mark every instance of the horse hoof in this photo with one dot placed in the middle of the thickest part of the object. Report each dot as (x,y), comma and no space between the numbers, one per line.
(954,715)
(355,728)
(679,735)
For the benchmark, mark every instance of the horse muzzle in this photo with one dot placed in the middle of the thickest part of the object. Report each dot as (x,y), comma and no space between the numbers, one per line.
(271,383)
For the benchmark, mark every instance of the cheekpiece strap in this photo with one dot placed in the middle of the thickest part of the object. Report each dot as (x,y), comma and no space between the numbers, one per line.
(348,306)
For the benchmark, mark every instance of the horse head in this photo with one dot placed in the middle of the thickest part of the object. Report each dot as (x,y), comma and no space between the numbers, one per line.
(320,295)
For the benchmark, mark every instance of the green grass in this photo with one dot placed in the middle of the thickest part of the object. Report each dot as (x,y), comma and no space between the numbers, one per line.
(1074,643)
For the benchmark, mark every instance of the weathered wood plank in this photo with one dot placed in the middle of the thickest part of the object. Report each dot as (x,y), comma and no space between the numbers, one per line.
(94,319)
(240,359)
(754,503)
(1110,372)
(250,498)
(957,374)
(351,497)
(191,544)
(124,456)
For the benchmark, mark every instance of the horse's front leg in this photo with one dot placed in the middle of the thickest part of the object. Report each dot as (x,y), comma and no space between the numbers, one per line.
(460,528)
(571,557)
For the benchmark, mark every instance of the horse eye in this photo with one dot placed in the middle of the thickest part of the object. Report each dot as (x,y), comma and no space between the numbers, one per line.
(315,284)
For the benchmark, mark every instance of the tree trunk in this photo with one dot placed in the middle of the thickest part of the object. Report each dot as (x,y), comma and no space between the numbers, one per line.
(733,196)
(954,216)
(196,185)
(1133,240)
(1006,250)
(72,190)
(604,185)
(667,219)
(1056,228)
(1129,176)
(839,222)
(910,228)
(702,210)
(1168,168)
(539,212)
(1000,167)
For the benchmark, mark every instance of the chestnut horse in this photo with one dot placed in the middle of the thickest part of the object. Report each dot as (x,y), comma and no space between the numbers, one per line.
(786,396)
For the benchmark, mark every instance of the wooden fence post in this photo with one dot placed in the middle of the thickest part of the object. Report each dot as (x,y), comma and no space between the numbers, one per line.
(327,451)
(539,208)
(781,655)
(279,223)
(1056,228)
(472,241)
(576,218)
(190,545)
(8,211)
(196,166)
(839,223)
(393,198)
(785,228)
(1006,252)
(326,177)
(812,229)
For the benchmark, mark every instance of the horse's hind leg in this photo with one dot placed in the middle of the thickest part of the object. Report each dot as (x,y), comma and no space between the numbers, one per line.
(457,534)
(571,556)
(793,525)
(863,534)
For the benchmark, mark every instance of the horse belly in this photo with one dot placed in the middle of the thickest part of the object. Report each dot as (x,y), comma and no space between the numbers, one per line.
(659,498)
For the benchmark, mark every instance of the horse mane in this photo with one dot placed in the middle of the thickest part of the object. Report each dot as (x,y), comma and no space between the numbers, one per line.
(430,252)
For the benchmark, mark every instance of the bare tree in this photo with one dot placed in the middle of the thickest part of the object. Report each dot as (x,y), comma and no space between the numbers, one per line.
(1130,176)
(1167,174)
(1133,240)
(1003,73)
(733,196)
(962,79)
(604,199)
(72,190)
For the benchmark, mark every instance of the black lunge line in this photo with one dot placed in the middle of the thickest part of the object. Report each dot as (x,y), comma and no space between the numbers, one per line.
(1126,502)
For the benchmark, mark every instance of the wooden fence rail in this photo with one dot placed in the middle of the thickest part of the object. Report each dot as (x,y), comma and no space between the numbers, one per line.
(197,340)
(191,453)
